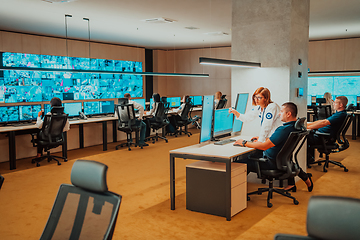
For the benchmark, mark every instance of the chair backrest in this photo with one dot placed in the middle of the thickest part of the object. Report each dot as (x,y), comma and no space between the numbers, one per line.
(123,101)
(340,135)
(323,112)
(331,217)
(86,209)
(53,125)
(126,115)
(161,114)
(222,103)
(185,112)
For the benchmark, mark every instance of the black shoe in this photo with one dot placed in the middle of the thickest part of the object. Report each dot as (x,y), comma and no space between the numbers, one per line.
(292,189)
(143,144)
(312,184)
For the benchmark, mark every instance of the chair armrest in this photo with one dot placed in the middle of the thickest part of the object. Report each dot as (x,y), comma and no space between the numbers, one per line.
(322,134)
(257,165)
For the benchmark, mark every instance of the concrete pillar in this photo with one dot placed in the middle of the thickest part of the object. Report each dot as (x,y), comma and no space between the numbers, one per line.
(276,34)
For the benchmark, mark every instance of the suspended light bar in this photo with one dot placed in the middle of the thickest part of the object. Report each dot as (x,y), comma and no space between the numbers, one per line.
(230,63)
(104,72)
(334,73)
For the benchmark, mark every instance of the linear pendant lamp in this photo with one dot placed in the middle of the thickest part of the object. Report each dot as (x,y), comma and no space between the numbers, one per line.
(340,73)
(226,62)
(105,72)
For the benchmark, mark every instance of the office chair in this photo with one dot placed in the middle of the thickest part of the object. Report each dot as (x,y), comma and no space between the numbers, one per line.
(330,218)
(184,121)
(222,102)
(85,209)
(161,120)
(329,145)
(286,167)
(127,124)
(51,135)
(322,112)
(166,103)
(1,180)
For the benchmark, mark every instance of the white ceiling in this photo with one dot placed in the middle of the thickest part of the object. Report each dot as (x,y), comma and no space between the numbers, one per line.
(120,21)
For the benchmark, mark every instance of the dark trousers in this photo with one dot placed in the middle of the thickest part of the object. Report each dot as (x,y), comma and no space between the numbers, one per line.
(148,125)
(313,139)
(143,128)
(38,138)
(173,120)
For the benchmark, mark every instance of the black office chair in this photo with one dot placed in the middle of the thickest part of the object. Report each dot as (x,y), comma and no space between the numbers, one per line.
(329,218)
(51,135)
(184,121)
(127,124)
(329,145)
(85,209)
(322,112)
(161,120)
(286,167)
(222,102)
(1,180)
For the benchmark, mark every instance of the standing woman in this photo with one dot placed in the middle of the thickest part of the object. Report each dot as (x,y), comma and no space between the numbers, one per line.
(265,109)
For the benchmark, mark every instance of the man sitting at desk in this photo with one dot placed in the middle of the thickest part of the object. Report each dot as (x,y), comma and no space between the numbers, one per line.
(139,121)
(39,122)
(272,146)
(330,125)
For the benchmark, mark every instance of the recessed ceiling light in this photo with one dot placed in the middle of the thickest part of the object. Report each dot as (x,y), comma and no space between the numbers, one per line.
(192,28)
(58,1)
(217,34)
(159,20)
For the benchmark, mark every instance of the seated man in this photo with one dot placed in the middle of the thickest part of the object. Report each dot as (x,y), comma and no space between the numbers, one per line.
(330,125)
(272,146)
(39,122)
(139,121)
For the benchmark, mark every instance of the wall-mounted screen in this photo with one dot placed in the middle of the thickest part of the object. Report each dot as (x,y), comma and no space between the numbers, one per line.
(29,112)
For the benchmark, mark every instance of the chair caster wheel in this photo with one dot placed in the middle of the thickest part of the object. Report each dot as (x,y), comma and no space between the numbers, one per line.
(325,170)
(141,147)
(166,141)
(129,149)
(175,135)
(269,205)
(346,170)
(117,148)
(296,202)
(59,163)
(65,160)
(38,164)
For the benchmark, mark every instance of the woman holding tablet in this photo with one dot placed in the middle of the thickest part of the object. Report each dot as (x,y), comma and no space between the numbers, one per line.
(265,109)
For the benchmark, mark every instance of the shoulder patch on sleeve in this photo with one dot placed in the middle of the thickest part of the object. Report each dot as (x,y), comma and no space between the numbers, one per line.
(269,115)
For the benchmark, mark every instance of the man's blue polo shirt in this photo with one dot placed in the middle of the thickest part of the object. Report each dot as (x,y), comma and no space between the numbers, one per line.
(336,120)
(278,138)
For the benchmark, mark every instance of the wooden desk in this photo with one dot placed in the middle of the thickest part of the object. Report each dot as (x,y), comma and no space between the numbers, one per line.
(210,152)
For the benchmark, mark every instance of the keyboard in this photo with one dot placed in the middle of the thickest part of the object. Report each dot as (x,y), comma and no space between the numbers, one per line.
(225,141)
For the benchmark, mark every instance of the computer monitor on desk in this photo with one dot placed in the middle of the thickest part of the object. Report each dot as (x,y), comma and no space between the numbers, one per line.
(73,109)
(140,101)
(91,108)
(223,122)
(320,101)
(196,100)
(9,114)
(174,101)
(29,112)
(207,118)
(240,106)
(106,107)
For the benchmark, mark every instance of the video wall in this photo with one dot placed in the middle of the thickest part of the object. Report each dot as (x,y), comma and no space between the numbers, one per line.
(35,86)
(348,86)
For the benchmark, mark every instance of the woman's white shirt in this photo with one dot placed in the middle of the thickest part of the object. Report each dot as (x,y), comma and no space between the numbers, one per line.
(39,123)
(269,119)
(153,109)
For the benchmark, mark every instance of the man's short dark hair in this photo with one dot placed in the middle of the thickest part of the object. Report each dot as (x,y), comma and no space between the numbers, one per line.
(343,100)
(55,101)
(127,95)
(291,107)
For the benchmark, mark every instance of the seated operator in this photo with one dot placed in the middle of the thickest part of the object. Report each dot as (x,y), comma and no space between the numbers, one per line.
(330,125)
(39,122)
(139,121)
(272,146)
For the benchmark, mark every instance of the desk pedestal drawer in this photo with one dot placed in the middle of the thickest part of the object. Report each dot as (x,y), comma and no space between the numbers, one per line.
(205,188)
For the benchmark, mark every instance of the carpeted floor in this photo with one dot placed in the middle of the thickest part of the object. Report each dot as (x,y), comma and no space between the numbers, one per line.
(141,176)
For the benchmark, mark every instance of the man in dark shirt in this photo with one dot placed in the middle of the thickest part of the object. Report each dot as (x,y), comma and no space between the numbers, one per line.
(272,146)
(330,125)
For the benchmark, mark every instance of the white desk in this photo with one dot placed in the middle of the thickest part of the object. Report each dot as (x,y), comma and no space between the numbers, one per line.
(210,152)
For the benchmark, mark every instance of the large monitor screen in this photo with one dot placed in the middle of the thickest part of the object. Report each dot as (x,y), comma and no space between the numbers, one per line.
(240,106)
(207,118)
(91,108)
(174,101)
(9,114)
(223,122)
(73,109)
(106,107)
(140,101)
(29,112)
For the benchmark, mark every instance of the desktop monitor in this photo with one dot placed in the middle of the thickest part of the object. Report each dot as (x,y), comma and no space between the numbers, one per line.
(151,103)
(106,107)
(91,108)
(207,118)
(196,100)
(223,122)
(140,101)
(240,106)
(174,101)
(320,100)
(73,109)
(9,114)
(29,112)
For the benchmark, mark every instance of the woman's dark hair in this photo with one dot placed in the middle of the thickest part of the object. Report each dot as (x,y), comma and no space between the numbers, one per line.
(55,101)
(156,97)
